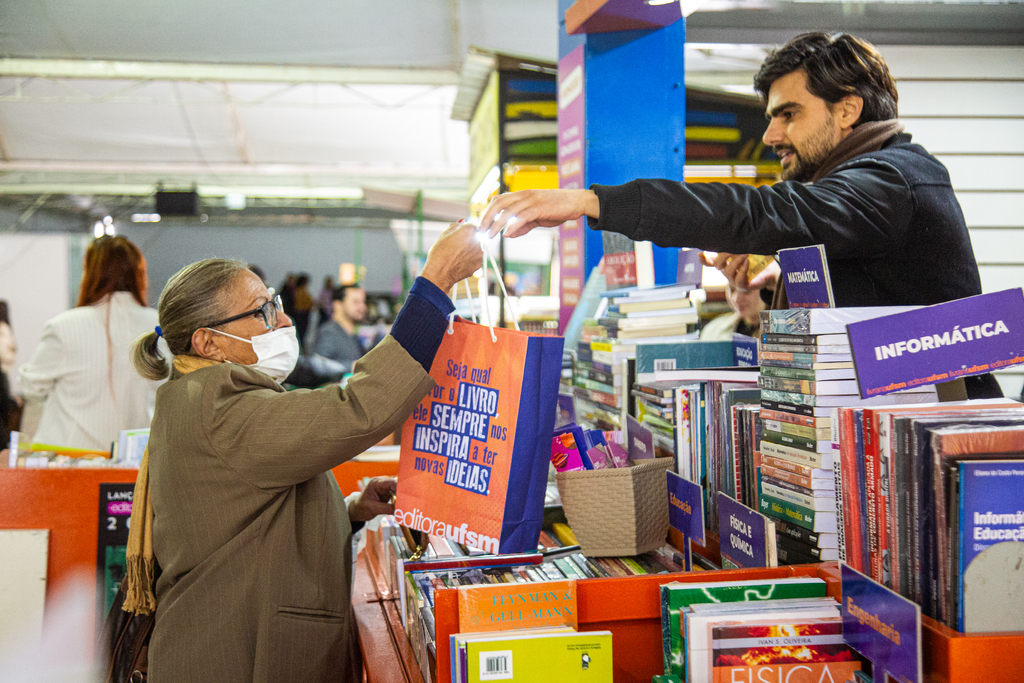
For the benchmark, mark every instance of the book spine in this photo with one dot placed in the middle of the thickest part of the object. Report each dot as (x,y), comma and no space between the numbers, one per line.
(795,497)
(796,455)
(803,357)
(795,398)
(837,472)
(796,479)
(788,511)
(796,532)
(871,487)
(849,482)
(793,441)
(785,407)
(794,468)
(799,430)
(811,553)
(787,556)
(786,384)
(775,338)
(792,418)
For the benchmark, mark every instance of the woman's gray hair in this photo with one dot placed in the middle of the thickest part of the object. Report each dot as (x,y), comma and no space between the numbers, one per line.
(191,299)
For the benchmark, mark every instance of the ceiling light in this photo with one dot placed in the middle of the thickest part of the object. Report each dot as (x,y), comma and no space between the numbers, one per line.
(145,218)
(97,229)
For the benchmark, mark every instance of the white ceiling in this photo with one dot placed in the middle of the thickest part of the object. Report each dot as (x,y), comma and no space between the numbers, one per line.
(318,98)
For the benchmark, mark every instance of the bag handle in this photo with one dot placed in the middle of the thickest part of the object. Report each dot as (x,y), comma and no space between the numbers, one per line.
(455,296)
(485,289)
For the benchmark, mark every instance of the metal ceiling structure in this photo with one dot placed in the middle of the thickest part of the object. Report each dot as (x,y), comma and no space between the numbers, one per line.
(306,104)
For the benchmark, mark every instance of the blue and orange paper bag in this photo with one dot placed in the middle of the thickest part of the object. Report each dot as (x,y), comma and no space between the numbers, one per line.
(475,452)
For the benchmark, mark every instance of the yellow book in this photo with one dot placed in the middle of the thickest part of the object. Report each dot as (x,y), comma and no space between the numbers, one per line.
(522,657)
(506,606)
(564,534)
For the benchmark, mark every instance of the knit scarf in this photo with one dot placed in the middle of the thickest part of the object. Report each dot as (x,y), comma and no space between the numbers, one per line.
(865,138)
(140,595)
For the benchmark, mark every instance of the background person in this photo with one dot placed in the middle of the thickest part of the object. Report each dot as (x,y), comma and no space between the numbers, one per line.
(337,338)
(81,373)
(246,520)
(9,405)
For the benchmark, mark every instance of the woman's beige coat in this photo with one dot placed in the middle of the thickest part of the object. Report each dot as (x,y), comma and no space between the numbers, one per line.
(250,528)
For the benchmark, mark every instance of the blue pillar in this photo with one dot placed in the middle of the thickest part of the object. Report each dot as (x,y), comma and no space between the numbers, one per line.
(635,114)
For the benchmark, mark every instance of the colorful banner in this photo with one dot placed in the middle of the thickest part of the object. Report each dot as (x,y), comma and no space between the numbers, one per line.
(805,273)
(572,142)
(938,343)
(112,541)
(883,626)
(741,533)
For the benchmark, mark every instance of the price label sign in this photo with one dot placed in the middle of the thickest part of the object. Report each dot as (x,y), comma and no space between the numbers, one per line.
(686,510)
(883,626)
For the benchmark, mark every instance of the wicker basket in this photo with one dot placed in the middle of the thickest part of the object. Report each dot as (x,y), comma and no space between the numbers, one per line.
(620,511)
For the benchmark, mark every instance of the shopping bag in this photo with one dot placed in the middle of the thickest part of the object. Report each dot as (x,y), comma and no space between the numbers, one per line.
(475,452)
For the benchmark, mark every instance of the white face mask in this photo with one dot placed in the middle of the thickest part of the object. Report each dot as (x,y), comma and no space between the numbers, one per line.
(276,351)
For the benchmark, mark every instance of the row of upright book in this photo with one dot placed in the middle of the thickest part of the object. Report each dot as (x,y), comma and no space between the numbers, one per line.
(840,477)
(415,568)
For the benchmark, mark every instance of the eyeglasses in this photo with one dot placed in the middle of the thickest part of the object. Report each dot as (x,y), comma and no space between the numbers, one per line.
(268,311)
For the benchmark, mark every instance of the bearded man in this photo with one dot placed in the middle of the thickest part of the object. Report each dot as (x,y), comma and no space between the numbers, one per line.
(852,180)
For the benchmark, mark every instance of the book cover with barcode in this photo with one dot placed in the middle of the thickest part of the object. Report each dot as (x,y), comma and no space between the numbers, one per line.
(563,657)
(796,653)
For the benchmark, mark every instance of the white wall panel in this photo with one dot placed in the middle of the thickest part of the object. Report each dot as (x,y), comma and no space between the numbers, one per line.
(918,61)
(998,246)
(961,98)
(34,281)
(998,278)
(967,136)
(985,172)
(1011,382)
(993,210)
(23,554)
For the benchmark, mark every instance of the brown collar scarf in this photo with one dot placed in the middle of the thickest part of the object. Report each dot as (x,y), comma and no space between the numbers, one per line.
(140,595)
(865,138)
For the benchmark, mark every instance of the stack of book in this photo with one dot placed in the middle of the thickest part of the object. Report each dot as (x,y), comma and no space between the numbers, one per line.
(654,312)
(416,568)
(807,374)
(712,632)
(627,318)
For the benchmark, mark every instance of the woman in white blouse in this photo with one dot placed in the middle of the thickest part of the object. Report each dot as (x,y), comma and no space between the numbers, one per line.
(81,369)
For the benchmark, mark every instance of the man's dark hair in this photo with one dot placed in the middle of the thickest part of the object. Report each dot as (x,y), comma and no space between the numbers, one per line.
(340,291)
(837,65)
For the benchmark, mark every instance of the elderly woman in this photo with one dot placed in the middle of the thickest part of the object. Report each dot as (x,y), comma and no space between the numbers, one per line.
(80,373)
(247,522)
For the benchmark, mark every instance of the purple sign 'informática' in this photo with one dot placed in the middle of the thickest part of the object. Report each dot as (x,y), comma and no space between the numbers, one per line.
(938,343)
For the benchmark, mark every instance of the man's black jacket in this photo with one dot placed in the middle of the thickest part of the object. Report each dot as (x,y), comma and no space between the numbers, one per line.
(892,228)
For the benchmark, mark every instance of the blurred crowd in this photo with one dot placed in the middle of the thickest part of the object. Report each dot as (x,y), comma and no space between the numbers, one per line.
(78,389)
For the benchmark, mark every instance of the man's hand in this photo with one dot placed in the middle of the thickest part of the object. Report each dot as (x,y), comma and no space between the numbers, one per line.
(374,500)
(520,212)
(734,267)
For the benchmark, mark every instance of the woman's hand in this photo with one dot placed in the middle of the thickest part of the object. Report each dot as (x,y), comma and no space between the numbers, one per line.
(456,255)
(374,500)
